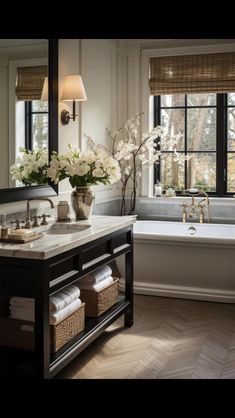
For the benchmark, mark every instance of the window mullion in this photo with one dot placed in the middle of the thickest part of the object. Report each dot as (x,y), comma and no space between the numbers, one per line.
(221,178)
(28,125)
(157,118)
(185,144)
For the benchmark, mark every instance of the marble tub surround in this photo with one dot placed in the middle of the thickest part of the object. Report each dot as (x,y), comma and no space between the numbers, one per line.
(222,210)
(52,244)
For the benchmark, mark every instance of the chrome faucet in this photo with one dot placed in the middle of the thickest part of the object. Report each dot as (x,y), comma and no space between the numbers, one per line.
(28,218)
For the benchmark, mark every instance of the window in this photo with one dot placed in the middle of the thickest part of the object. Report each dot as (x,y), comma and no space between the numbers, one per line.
(36,124)
(207,124)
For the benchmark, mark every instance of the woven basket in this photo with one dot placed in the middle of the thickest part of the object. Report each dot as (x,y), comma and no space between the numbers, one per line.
(20,334)
(66,329)
(98,302)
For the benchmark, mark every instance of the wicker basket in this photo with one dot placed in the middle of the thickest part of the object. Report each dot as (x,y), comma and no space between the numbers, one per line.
(66,329)
(98,302)
(20,334)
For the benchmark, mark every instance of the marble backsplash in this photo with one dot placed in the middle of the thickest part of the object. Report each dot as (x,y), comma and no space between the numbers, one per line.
(111,208)
(221,210)
(170,209)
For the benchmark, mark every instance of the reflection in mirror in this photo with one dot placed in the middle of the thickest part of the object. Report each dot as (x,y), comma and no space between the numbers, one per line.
(14,54)
(24,117)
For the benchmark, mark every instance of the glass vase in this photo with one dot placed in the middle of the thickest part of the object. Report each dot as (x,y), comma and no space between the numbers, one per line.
(83,200)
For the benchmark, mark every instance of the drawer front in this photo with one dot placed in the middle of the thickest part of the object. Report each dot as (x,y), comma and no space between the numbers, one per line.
(121,239)
(95,253)
(63,266)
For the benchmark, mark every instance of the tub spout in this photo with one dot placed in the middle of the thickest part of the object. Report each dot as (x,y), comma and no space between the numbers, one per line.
(184,211)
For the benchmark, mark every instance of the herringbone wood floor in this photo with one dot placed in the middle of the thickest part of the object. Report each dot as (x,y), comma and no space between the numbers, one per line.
(170,339)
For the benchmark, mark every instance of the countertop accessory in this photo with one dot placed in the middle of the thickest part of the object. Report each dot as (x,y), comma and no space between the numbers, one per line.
(20,239)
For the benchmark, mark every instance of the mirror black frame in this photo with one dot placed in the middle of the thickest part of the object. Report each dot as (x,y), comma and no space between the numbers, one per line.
(16,194)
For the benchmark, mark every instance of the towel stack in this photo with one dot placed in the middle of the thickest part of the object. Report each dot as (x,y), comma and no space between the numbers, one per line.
(98,280)
(62,304)
(22,308)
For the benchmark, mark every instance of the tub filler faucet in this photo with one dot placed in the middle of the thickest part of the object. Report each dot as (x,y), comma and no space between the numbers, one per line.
(197,207)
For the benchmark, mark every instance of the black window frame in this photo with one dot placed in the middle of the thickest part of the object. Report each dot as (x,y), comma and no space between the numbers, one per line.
(29,112)
(222,107)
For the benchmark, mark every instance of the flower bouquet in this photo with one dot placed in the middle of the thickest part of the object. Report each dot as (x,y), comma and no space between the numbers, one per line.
(92,167)
(95,166)
(31,166)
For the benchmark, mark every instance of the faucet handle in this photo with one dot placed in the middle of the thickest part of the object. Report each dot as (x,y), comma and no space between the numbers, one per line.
(17,222)
(44,216)
(35,222)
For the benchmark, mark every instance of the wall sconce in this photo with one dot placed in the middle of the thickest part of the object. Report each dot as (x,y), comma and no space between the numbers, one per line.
(73,90)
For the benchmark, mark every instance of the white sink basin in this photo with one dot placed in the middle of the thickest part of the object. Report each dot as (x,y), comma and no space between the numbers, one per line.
(60,228)
(66,228)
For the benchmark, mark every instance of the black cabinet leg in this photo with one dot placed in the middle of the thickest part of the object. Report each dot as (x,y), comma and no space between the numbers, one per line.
(128,318)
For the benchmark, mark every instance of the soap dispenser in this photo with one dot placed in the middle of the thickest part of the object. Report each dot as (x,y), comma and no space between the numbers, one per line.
(158,189)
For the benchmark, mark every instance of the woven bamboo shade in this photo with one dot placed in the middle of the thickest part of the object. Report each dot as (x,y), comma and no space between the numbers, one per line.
(209,73)
(30,82)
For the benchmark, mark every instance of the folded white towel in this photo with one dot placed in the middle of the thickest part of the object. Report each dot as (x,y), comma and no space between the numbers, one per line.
(69,309)
(19,301)
(96,276)
(23,314)
(15,309)
(97,287)
(63,298)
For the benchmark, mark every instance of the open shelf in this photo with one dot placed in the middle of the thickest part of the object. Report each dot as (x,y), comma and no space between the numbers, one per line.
(93,328)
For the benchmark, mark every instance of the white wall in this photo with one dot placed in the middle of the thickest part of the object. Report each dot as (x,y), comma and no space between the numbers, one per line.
(99,71)
(3,122)
(96,61)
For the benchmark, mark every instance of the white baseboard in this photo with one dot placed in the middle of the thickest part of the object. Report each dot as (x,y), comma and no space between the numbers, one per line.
(182,292)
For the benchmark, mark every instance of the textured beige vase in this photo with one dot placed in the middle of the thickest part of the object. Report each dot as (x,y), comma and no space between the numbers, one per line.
(83,200)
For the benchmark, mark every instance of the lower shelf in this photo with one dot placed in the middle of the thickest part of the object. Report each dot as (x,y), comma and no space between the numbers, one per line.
(93,328)
(15,361)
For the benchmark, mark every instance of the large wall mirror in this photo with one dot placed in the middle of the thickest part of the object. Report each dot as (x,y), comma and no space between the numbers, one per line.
(28,109)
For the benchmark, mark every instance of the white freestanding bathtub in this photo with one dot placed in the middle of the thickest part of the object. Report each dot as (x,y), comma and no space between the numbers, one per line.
(184,260)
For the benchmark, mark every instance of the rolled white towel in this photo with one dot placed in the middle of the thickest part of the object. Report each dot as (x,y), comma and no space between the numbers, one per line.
(63,298)
(97,276)
(97,287)
(69,309)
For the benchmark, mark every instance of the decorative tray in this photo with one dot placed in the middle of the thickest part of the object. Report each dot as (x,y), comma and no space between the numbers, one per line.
(37,235)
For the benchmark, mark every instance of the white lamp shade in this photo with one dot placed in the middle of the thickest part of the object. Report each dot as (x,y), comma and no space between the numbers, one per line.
(44,95)
(73,88)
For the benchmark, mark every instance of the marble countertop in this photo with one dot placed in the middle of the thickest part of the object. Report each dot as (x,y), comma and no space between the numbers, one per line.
(54,244)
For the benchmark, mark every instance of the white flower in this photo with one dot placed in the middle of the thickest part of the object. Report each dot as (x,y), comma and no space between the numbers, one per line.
(94,166)
(98,172)
(31,166)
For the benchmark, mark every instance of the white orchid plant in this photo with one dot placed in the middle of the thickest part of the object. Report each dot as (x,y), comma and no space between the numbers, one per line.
(31,166)
(92,167)
(135,152)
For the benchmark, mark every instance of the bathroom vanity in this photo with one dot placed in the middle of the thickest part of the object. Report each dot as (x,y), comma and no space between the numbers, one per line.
(42,267)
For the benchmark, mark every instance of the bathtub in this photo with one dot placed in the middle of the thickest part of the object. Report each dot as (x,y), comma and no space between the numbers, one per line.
(184,260)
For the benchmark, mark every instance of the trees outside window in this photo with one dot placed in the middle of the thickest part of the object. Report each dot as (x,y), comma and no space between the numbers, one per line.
(207,123)
(36,123)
